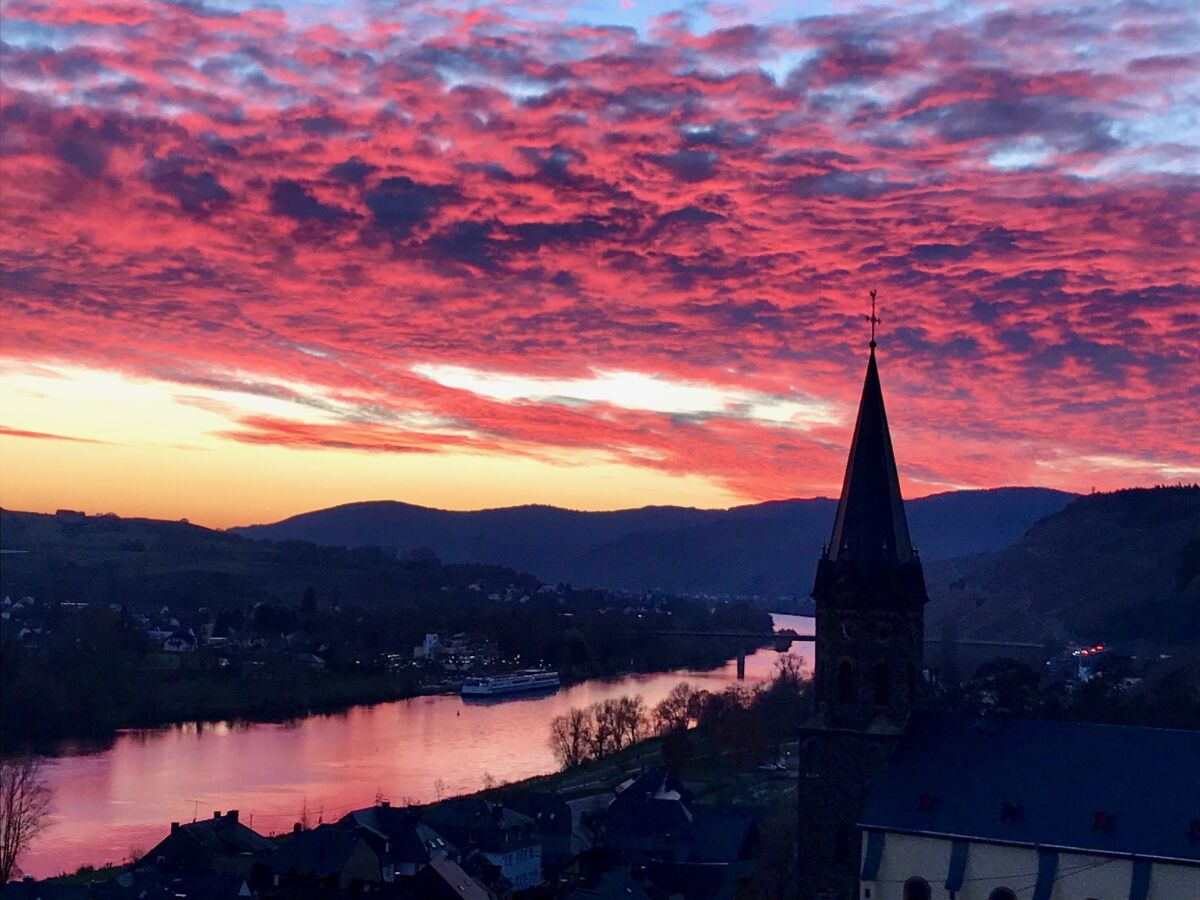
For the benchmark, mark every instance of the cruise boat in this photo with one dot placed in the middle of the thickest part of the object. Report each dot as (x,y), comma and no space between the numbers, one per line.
(510,683)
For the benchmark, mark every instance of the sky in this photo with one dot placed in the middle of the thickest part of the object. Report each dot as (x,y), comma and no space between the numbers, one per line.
(264,258)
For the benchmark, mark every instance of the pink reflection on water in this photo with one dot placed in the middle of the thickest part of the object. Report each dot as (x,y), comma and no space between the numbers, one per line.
(119,802)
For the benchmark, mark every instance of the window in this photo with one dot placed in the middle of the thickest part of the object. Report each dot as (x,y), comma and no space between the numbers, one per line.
(883,685)
(1002,894)
(845,682)
(916,889)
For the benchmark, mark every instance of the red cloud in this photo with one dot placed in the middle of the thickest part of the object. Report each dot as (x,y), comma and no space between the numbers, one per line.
(191,194)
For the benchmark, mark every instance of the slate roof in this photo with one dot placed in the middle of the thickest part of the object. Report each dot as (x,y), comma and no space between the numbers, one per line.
(549,811)
(445,878)
(471,820)
(208,839)
(322,852)
(148,885)
(722,835)
(870,525)
(409,840)
(615,885)
(1032,782)
(42,890)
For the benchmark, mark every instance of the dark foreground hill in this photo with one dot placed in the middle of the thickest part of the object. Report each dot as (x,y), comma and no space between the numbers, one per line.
(769,549)
(1108,567)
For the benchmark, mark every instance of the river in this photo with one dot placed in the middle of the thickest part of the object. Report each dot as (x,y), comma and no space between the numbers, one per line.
(120,801)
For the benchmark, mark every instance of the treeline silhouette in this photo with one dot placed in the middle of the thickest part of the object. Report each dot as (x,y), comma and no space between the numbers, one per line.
(742,721)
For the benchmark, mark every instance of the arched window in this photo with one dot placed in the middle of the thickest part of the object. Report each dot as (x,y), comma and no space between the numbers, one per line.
(883,685)
(916,889)
(1002,894)
(845,682)
(912,683)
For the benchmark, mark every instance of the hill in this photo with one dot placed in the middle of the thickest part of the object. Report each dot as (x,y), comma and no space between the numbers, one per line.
(1112,567)
(150,562)
(768,549)
(111,623)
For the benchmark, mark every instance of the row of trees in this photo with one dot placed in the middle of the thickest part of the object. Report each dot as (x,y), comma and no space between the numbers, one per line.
(599,730)
(742,720)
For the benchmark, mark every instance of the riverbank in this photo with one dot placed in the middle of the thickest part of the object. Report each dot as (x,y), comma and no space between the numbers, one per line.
(160,699)
(112,800)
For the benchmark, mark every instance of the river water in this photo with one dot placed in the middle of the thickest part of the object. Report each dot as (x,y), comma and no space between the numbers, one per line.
(120,801)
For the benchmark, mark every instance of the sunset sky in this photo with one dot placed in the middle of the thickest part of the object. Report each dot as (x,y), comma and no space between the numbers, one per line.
(259,259)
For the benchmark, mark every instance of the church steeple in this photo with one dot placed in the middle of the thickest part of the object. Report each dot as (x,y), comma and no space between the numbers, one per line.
(870,598)
(870,523)
(869,589)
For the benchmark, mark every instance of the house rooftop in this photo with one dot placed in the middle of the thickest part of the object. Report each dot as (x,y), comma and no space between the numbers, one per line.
(321,852)
(1067,785)
(410,840)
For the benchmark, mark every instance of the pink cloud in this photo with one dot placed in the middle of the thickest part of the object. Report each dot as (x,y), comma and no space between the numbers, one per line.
(191,194)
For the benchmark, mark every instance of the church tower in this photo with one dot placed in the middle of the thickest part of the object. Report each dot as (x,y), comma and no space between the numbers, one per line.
(870,596)
(869,589)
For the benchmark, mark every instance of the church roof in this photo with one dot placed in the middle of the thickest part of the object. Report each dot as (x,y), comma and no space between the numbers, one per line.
(870,525)
(1068,785)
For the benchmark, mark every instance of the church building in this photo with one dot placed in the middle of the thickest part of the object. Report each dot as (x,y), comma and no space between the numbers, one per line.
(870,598)
(900,803)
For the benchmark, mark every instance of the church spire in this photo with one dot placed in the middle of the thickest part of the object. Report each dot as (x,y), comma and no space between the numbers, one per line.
(870,525)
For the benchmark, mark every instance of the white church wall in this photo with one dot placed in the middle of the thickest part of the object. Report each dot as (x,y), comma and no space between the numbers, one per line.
(991,866)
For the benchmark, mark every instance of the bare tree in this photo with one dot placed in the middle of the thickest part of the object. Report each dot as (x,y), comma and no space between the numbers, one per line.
(571,737)
(633,721)
(606,734)
(674,713)
(24,810)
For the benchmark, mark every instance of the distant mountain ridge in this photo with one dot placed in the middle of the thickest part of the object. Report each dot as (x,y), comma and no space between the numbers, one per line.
(768,549)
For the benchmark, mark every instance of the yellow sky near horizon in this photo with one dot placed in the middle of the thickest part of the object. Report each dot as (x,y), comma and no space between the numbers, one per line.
(119,461)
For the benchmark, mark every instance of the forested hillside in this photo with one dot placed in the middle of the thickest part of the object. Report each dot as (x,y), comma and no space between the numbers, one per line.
(1112,567)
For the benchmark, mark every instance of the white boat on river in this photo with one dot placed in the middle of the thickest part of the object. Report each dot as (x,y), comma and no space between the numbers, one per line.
(510,683)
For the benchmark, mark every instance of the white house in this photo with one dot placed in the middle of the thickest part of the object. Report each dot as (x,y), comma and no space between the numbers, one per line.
(180,642)
(1034,810)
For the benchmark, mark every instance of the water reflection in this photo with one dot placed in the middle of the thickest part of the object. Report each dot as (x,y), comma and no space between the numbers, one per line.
(118,798)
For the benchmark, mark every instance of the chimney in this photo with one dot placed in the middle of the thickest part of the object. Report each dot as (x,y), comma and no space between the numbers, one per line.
(174,827)
(232,816)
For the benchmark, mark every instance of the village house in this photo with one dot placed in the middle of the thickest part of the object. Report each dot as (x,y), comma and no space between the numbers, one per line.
(327,858)
(405,843)
(503,836)
(221,844)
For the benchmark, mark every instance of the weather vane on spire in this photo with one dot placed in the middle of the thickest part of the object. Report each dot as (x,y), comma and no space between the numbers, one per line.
(872,318)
